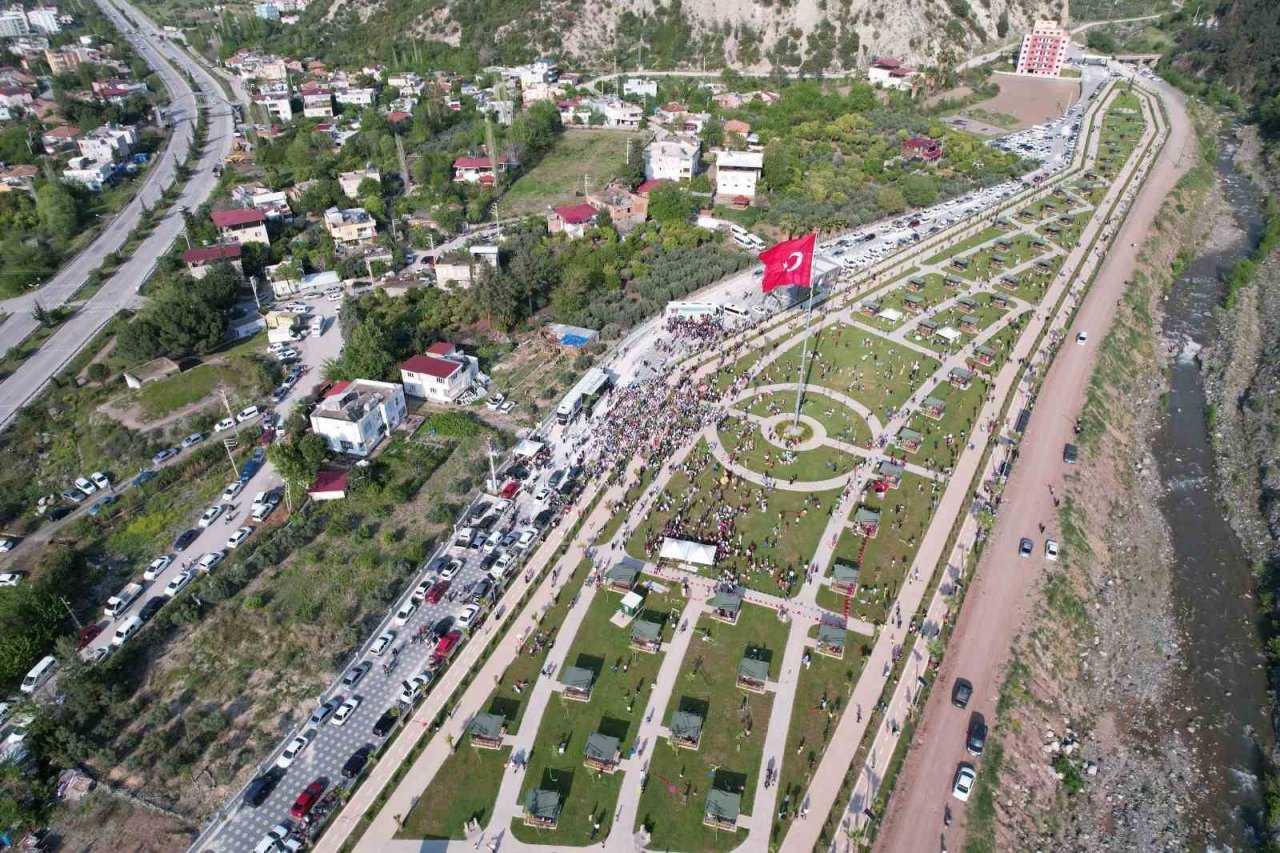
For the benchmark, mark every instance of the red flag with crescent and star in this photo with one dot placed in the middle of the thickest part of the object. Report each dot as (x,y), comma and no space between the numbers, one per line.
(788,263)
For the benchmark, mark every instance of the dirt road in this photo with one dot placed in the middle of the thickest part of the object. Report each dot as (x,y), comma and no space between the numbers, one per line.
(1004,585)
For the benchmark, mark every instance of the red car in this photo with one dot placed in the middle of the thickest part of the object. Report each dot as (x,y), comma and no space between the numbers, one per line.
(437,591)
(509,490)
(268,433)
(306,799)
(447,643)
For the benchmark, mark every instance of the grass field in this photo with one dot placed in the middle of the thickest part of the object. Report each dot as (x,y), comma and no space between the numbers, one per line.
(825,683)
(965,245)
(841,422)
(985,310)
(765,457)
(444,811)
(557,179)
(797,521)
(955,424)
(159,398)
(624,678)
(729,755)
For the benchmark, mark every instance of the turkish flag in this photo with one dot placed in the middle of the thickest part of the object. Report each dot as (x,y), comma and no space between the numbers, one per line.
(788,263)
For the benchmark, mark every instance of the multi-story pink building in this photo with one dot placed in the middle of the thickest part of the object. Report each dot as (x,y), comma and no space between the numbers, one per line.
(1043,50)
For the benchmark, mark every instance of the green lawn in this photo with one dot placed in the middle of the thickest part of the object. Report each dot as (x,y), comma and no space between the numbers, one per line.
(825,684)
(983,264)
(876,372)
(744,440)
(965,245)
(442,811)
(557,179)
(730,752)
(956,423)
(841,422)
(904,516)
(985,310)
(624,678)
(797,517)
(159,398)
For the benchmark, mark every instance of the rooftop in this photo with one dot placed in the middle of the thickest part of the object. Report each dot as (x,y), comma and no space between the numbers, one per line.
(355,400)
(576,214)
(237,216)
(207,254)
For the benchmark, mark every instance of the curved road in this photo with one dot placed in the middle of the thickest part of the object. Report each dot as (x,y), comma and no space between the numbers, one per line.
(122,289)
(1002,587)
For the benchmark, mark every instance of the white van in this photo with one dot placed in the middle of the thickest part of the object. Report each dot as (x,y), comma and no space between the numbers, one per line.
(127,630)
(39,674)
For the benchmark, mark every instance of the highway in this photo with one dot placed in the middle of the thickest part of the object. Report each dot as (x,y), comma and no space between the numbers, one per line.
(122,290)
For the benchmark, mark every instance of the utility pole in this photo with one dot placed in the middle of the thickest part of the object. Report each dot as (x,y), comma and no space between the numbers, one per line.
(229,444)
(71,613)
(253,285)
(493,470)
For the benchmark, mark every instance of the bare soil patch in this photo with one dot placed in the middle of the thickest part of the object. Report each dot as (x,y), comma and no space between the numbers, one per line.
(1031,100)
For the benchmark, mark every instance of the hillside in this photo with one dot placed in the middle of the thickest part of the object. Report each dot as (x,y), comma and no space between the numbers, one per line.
(812,35)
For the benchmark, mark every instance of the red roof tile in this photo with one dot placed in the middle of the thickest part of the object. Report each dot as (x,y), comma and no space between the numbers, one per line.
(206,254)
(397,116)
(440,368)
(329,481)
(576,214)
(237,216)
(337,388)
(651,185)
(441,348)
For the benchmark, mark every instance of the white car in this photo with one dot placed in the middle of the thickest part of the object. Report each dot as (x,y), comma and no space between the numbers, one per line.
(504,565)
(410,690)
(542,495)
(295,748)
(466,617)
(192,440)
(247,414)
(224,425)
(963,785)
(10,579)
(177,584)
(507,407)
(1051,549)
(453,567)
(384,641)
(1081,338)
(492,542)
(7,544)
(345,711)
(85,486)
(334,297)
(232,489)
(210,516)
(526,539)
(100,480)
(158,565)
(237,539)
(277,347)
(403,614)
(420,591)
(495,401)
(208,561)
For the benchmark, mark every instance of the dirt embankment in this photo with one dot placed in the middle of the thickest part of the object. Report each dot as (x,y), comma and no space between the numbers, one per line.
(1096,754)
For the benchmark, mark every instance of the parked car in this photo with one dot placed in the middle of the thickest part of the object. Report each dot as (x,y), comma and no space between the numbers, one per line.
(85,486)
(236,539)
(355,764)
(410,690)
(1051,549)
(467,616)
(323,712)
(224,425)
(247,414)
(976,740)
(384,641)
(1026,547)
(295,748)
(402,615)
(963,785)
(437,592)
(7,544)
(419,593)
(102,504)
(73,495)
(177,584)
(345,710)
(526,539)
(542,495)
(143,477)
(260,788)
(232,490)
(356,673)
(961,692)
(167,453)
(151,608)
(100,480)
(208,561)
(1082,338)
(12,578)
(192,440)
(384,724)
(210,516)
(450,569)
(1070,453)
(156,566)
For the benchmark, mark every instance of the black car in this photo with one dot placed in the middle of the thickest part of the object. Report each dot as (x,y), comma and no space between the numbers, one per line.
(356,673)
(356,762)
(185,538)
(442,627)
(152,607)
(518,472)
(543,518)
(961,693)
(259,789)
(555,479)
(977,739)
(59,512)
(386,722)
(1070,454)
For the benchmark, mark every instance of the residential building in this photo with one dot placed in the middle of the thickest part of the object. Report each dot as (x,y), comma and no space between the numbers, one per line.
(618,114)
(672,159)
(737,173)
(355,416)
(267,11)
(19,176)
(454,270)
(60,137)
(116,90)
(441,375)
(891,74)
(1043,50)
(45,20)
(241,225)
(350,181)
(640,86)
(626,209)
(276,101)
(198,261)
(924,147)
(352,226)
(108,143)
(572,221)
(359,96)
(14,24)
(15,96)
(478,170)
(504,111)
(89,173)
(317,100)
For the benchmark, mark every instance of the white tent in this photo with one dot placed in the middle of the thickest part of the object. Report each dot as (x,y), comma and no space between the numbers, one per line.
(893,315)
(949,334)
(527,448)
(684,551)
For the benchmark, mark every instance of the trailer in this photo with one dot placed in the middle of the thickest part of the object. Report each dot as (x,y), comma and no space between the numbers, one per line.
(588,390)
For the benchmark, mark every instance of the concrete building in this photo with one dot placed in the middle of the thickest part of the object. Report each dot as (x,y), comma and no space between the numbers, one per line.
(737,173)
(627,210)
(441,375)
(45,20)
(672,159)
(89,173)
(352,226)
(350,181)
(640,86)
(358,96)
(198,261)
(355,416)
(108,143)
(1043,50)
(241,225)
(573,220)
(478,170)
(14,24)
(891,74)
(267,11)
(317,100)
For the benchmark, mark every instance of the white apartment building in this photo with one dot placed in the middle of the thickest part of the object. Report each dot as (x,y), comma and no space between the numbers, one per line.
(349,227)
(107,143)
(355,416)
(737,173)
(441,375)
(672,159)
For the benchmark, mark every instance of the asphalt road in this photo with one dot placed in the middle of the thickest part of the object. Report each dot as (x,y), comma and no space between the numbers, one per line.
(122,289)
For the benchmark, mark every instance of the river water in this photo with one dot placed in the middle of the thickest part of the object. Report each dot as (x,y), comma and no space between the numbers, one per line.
(1213,586)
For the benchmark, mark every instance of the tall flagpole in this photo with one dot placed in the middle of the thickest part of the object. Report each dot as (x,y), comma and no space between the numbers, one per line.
(804,352)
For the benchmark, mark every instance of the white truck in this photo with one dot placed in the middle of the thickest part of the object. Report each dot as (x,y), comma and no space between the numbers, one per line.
(120,602)
(281,335)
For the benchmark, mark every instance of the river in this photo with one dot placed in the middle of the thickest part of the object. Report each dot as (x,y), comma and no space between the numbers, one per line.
(1225,682)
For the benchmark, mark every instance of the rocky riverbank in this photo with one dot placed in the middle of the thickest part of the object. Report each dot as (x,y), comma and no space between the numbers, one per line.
(1105,658)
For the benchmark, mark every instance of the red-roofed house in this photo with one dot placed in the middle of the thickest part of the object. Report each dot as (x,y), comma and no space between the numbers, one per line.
(478,170)
(241,225)
(924,147)
(60,137)
(199,260)
(891,74)
(330,485)
(573,221)
(441,375)
(644,188)
(396,116)
(15,96)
